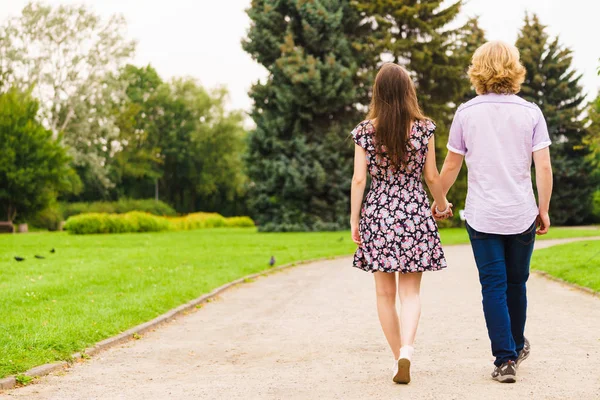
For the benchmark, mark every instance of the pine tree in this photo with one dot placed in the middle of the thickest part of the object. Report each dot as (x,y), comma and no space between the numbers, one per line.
(553,85)
(416,34)
(469,38)
(299,155)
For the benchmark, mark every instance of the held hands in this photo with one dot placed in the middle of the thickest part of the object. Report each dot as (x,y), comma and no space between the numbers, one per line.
(440,215)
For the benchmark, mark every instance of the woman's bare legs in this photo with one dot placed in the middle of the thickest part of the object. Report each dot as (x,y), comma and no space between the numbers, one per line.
(409,288)
(385,287)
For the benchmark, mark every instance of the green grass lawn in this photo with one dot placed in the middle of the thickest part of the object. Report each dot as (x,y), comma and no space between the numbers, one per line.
(574,262)
(96,286)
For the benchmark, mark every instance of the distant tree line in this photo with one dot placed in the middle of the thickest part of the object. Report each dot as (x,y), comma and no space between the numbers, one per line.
(79,122)
(321,57)
(107,129)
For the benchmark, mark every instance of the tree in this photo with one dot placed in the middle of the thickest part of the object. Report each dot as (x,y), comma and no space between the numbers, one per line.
(469,38)
(33,166)
(179,135)
(299,155)
(417,35)
(553,85)
(68,54)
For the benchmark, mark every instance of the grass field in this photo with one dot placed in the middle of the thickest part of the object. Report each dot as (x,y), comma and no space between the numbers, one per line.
(574,262)
(96,286)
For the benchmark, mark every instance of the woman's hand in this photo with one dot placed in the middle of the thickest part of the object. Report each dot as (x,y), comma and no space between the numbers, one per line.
(355,233)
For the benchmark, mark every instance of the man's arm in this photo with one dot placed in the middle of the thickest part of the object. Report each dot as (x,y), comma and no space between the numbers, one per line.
(450,170)
(543,178)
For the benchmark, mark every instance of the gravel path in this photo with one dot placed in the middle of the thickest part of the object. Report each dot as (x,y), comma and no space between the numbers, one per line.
(311,332)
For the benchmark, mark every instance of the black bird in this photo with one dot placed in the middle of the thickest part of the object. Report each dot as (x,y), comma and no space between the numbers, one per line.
(19,259)
(52,251)
(40,257)
(272,261)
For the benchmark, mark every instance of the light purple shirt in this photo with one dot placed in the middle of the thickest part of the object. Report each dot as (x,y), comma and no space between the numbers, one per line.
(498,134)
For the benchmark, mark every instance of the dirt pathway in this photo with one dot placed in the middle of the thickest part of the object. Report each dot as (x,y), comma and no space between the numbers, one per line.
(311,332)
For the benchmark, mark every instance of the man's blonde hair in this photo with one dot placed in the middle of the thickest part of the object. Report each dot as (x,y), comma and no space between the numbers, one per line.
(496,68)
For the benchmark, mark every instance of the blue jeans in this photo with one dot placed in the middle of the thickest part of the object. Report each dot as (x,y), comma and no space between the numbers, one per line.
(503,264)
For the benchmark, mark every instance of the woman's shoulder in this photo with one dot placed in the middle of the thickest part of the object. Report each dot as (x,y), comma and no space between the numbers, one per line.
(425,127)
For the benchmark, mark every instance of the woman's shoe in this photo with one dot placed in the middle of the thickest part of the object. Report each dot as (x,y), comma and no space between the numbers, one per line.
(402,371)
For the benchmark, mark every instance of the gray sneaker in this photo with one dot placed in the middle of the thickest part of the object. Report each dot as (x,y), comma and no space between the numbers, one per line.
(524,353)
(506,373)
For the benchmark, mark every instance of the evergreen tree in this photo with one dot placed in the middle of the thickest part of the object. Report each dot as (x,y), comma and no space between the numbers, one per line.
(469,38)
(299,156)
(553,85)
(416,34)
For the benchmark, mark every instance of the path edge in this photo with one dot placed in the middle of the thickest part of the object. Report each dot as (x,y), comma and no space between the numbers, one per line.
(571,285)
(10,382)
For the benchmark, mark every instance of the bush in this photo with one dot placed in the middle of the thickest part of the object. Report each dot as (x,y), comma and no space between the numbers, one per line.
(50,218)
(596,206)
(136,221)
(118,207)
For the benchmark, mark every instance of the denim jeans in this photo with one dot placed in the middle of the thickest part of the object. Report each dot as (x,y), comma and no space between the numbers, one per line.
(503,264)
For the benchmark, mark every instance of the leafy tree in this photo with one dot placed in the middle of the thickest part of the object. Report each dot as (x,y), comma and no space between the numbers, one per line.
(299,156)
(68,54)
(554,86)
(179,136)
(33,166)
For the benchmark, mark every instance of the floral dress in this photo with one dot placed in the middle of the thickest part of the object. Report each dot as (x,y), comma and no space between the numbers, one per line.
(397,230)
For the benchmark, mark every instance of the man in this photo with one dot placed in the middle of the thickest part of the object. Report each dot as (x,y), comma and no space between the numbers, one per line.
(498,134)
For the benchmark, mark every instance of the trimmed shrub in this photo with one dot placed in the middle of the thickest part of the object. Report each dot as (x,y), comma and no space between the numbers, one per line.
(134,221)
(239,222)
(118,207)
(137,221)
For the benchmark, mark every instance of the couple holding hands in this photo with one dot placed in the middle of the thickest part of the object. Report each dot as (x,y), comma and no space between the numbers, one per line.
(498,134)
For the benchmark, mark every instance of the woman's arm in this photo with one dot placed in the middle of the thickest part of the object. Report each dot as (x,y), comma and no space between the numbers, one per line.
(433,179)
(359,182)
(543,178)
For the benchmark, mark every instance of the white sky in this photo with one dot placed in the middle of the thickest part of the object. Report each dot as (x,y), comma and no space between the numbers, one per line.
(201,38)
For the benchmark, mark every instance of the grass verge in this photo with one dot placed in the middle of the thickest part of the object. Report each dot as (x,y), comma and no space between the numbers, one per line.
(577,263)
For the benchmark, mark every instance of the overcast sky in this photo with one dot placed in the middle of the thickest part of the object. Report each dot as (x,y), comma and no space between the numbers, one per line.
(201,38)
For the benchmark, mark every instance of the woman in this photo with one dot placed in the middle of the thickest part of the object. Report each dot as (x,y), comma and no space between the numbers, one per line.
(396,234)
(499,134)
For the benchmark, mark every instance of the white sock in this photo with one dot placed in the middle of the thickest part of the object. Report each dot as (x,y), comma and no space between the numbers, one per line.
(406,352)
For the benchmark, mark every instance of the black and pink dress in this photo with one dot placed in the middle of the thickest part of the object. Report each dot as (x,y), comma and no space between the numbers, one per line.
(397,230)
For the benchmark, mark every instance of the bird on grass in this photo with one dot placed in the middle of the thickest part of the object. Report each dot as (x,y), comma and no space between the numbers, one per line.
(272,261)
(19,258)
(52,251)
(39,257)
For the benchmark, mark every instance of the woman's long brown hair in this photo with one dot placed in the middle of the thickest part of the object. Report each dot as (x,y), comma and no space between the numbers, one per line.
(394,108)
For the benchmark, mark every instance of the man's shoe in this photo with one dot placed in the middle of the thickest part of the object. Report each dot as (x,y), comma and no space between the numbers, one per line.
(506,373)
(524,353)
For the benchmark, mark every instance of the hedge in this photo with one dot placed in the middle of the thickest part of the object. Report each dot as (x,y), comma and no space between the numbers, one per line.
(144,222)
(122,206)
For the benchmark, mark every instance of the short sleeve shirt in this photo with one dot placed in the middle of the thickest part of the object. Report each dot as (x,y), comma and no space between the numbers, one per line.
(498,135)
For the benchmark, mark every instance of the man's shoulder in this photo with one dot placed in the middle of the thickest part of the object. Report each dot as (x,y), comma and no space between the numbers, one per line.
(509,99)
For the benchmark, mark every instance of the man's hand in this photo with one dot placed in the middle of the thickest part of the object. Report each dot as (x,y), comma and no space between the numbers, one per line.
(441,217)
(542,223)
